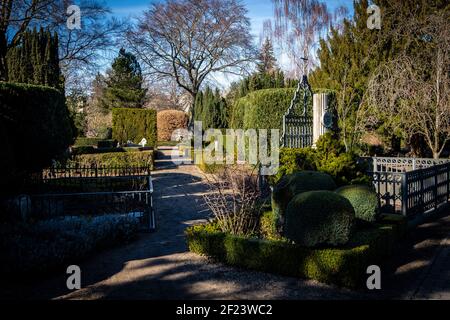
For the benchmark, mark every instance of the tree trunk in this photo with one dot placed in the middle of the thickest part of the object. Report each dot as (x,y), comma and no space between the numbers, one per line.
(191,112)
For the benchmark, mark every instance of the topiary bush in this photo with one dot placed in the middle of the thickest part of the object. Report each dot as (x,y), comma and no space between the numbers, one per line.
(344,265)
(291,185)
(37,124)
(168,121)
(319,218)
(133,124)
(363,199)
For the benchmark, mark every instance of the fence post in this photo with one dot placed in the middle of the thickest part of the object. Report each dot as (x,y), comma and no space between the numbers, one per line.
(448,181)
(405,194)
(435,189)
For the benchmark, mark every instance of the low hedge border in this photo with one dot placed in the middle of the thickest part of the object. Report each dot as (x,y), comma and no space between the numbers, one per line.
(115,159)
(344,266)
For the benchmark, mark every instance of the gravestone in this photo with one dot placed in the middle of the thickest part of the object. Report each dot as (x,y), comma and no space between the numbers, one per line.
(143,142)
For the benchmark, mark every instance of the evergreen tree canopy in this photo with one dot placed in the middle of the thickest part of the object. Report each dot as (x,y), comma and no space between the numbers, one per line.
(124,83)
(35,60)
(267,62)
(351,53)
(211,108)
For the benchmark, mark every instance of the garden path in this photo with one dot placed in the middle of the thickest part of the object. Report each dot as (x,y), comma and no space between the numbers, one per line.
(159,266)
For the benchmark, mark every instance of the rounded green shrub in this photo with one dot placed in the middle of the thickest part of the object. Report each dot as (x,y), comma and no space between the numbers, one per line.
(363,199)
(296,183)
(319,218)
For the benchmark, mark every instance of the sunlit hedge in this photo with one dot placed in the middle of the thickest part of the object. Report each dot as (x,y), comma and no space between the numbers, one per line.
(133,124)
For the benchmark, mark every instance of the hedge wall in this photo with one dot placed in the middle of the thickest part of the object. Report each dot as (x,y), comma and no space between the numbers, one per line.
(36,124)
(168,121)
(264,109)
(134,124)
(115,159)
(344,266)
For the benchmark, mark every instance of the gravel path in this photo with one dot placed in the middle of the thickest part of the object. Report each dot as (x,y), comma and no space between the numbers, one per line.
(159,266)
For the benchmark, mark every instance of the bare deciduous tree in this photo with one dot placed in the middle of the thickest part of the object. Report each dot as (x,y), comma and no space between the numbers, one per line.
(79,48)
(412,91)
(188,40)
(299,24)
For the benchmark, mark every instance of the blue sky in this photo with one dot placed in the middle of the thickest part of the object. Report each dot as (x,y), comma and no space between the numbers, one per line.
(258,10)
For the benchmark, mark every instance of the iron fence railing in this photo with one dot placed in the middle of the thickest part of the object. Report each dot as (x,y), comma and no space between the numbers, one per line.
(413,192)
(397,164)
(93,191)
(94,171)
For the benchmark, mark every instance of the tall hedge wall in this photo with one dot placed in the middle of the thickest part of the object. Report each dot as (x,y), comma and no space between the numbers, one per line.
(168,121)
(264,109)
(134,124)
(36,125)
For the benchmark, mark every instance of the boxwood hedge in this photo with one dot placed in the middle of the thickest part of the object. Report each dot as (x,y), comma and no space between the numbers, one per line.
(35,123)
(114,159)
(133,124)
(264,109)
(344,266)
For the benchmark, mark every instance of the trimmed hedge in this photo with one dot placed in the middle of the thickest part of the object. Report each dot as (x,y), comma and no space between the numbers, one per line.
(319,218)
(291,185)
(267,226)
(36,123)
(168,121)
(264,109)
(363,199)
(344,266)
(133,124)
(115,159)
(86,142)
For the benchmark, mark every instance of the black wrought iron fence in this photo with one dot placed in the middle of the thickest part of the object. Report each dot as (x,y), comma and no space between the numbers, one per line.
(92,191)
(413,192)
(93,172)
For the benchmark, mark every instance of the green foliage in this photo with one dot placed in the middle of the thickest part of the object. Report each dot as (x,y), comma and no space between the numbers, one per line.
(344,266)
(35,60)
(77,102)
(124,83)
(114,159)
(363,199)
(342,166)
(28,249)
(350,54)
(134,124)
(293,160)
(268,226)
(329,157)
(83,141)
(211,108)
(264,109)
(318,218)
(291,185)
(36,122)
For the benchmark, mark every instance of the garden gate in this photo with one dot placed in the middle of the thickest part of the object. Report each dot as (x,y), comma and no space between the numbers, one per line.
(298,127)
